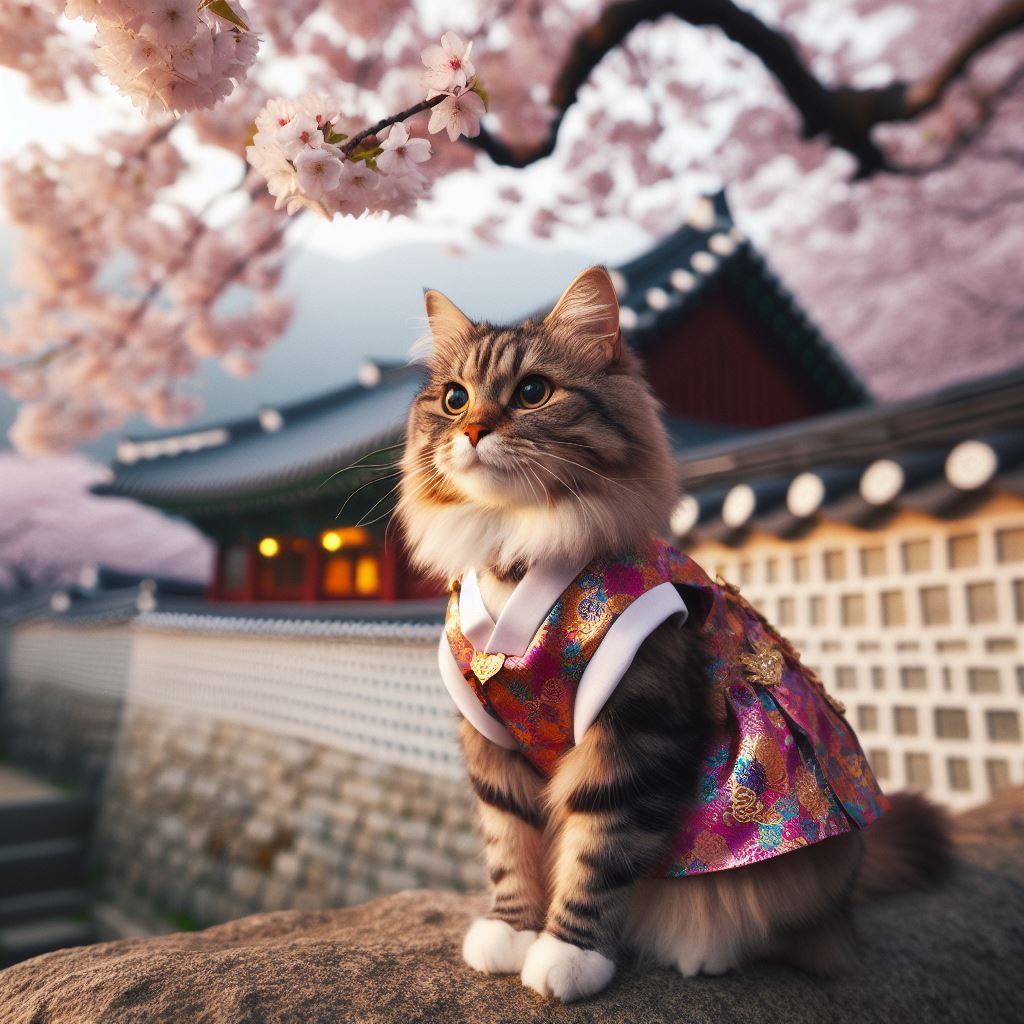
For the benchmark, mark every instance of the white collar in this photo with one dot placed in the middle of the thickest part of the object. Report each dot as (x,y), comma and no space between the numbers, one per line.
(524,611)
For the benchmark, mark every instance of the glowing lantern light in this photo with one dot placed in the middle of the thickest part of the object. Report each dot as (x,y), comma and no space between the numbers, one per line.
(269,547)
(344,537)
(367,576)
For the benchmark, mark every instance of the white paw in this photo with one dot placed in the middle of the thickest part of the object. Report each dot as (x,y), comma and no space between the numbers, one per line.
(495,947)
(560,969)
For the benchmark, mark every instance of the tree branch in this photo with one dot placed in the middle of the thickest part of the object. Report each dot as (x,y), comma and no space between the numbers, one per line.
(967,136)
(845,116)
(383,123)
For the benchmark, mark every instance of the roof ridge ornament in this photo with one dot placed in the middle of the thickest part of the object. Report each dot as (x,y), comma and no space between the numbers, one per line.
(270,419)
(369,374)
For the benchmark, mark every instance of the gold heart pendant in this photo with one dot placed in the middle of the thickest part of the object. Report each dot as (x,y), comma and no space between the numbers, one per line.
(485,665)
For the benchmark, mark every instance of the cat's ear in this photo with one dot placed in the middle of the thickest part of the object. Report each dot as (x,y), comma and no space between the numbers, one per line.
(589,311)
(447,322)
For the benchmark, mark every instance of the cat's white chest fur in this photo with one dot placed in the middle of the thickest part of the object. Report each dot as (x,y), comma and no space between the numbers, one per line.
(495,592)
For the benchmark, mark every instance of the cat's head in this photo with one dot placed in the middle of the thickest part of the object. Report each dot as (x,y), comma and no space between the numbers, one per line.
(533,443)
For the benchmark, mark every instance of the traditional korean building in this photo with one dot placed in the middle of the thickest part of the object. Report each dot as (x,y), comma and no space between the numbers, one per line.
(297,497)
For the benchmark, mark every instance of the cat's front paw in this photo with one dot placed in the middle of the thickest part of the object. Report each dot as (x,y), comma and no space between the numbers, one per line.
(495,947)
(567,972)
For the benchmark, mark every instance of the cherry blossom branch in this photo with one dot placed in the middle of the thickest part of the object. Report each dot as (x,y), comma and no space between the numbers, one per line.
(844,115)
(304,149)
(386,122)
(138,311)
(966,137)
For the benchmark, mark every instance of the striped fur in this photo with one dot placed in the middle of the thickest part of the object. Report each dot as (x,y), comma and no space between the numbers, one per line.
(587,472)
(573,861)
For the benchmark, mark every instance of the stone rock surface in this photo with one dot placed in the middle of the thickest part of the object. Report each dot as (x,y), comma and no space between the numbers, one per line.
(950,954)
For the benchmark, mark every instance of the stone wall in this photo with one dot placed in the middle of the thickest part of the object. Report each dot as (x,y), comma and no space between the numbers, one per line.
(215,820)
(282,764)
(61,693)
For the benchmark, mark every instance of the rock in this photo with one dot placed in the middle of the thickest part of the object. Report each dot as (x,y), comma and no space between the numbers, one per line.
(993,834)
(946,955)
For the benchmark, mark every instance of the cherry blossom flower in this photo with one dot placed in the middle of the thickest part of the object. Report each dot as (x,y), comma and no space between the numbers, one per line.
(458,115)
(170,56)
(173,21)
(357,182)
(448,65)
(318,171)
(401,154)
(300,133)
(322,109)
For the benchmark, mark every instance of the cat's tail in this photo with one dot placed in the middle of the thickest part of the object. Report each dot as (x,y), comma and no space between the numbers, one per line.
(909,847)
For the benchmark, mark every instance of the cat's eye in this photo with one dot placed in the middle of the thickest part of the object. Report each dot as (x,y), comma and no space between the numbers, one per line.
(533,391)
(455,399)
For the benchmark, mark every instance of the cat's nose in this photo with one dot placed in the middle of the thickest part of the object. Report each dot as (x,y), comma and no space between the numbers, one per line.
(474,431)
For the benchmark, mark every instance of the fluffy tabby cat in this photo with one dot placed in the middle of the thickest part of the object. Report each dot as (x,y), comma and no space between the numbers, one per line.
(543,441)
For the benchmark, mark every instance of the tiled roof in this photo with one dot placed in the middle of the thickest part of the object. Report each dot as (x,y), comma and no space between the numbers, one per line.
(939,453)
(285,454)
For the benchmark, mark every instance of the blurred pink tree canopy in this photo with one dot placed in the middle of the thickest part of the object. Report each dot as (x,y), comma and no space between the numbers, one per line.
(134,269)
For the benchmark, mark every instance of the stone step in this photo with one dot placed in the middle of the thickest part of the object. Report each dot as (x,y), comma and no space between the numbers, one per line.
(32,906)
(55,817)
(21,941)
(40,866)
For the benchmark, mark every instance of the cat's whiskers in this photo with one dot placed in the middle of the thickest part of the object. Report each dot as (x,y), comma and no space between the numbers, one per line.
(522,469)
(377,503)
(611,480)
(358,463)
(580,465)
(368,483)
(419,489)
(574,444)
(411,474)
(583,505)
(533,476)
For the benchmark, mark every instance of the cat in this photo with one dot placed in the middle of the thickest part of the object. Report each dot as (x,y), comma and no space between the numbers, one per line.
(540,445)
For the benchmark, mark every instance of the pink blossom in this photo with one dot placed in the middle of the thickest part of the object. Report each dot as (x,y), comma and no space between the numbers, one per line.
(458,115)
(322,109)
(357,182)
(173,21)
(273,165)
(448,65)
(319,171)
(401,154)
(300,133)
(240,364)
(195,57)
(168,56)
